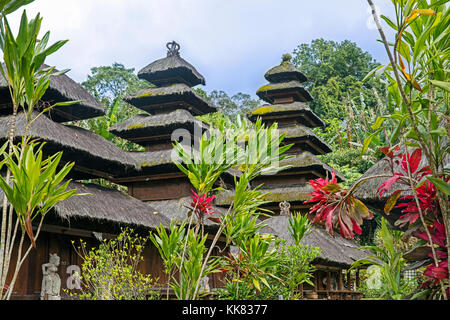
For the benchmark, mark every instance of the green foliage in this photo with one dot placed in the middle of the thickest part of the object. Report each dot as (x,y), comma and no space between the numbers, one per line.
(299,227)
(190,266)
(349,163)
(23,56)
(280,272)
(35,185)
(110,272)
(109,84)
(239,103)
(168,244)
(387,255)
(334,71)
(215,156)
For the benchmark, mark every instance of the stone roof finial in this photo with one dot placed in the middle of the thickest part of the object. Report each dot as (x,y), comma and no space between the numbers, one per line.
(173,49)
(286,57)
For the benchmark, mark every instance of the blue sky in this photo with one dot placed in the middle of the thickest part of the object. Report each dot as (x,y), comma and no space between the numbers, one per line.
(232,43)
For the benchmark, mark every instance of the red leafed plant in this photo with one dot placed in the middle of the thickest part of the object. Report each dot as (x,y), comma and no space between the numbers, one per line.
(337,207)
(202,205)
(425,191)
(421,199)
(439,272)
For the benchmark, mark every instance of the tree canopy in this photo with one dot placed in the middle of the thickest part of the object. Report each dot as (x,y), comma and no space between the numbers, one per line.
(335,71)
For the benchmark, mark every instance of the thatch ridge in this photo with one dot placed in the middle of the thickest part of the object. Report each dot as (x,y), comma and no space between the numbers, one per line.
(180,94)
(336,250)
(286,71)
(80,145)
(274,194)
(296,109)
(171,69)
(102,204)
(300,132)
(63,89)
(306,161)
(144,125)
(177,210)
(267,90)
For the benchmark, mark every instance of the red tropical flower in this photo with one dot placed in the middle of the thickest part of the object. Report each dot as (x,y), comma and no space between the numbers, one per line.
(336,208)
(202,205)
(437,232)
(426,194)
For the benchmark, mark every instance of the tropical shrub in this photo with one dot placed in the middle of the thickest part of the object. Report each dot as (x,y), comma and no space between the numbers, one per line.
(32,184)
(110,271)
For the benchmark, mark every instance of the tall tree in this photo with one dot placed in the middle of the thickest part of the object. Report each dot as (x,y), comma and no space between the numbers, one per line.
(109,84)
(335,71)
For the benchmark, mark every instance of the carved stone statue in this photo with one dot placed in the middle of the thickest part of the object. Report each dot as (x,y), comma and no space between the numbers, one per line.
(204,285)
(51,282)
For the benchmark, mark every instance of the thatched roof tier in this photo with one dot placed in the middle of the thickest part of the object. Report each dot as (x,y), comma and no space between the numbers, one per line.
(288,193)
(336,250)
(104,206)
(292,88)
(286,71)
(177,210)
(302,135)
(160,162)
(306,161)
(92,154)
(61,89)
(143,127)
(172,69)
(170,98)
(295,110)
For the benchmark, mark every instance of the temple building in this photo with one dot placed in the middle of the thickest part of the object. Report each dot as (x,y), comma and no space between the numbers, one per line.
(158,192)
(171,107)
(102,211)
(287,98)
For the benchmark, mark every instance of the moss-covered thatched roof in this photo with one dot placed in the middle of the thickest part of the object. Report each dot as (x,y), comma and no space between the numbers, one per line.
(336,250)
(268,91)
(301,133)
(286,71)
(102,205)
(169,98)
(61,89)
(306,161)
(158,162)
(277,194)
(86,148)
(178,209)
(144,125)
(172,69)
(294,110)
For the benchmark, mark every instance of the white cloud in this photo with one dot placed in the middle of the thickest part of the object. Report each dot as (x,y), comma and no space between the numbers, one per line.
(232,43)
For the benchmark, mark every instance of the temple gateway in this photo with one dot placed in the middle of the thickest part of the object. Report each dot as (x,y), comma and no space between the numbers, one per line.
(157,189)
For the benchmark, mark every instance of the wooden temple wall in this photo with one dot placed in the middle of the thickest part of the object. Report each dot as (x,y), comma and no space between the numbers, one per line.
(29,280)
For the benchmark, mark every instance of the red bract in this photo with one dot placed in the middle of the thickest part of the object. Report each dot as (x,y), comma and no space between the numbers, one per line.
(439,273)
(413,160)
(426,194)
(437,232)
(336,208)
(201,204)
(386,185)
